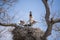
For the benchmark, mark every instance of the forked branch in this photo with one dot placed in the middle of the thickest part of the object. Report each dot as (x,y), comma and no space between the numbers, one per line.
(49,23)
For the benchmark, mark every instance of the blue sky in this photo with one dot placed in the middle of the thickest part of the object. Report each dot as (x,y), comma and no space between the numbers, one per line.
(23,7)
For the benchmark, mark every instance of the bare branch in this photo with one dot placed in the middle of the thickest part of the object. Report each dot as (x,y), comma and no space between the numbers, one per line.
(56,21)
(47,10)
(49,22)
(49,25)
(4,24)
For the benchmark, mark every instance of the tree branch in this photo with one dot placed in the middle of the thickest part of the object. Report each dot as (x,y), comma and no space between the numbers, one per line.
(47,10)
(56,21)
(3,24)
(49,25)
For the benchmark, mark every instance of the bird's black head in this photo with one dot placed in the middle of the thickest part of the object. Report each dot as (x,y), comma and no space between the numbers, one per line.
(30,13)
